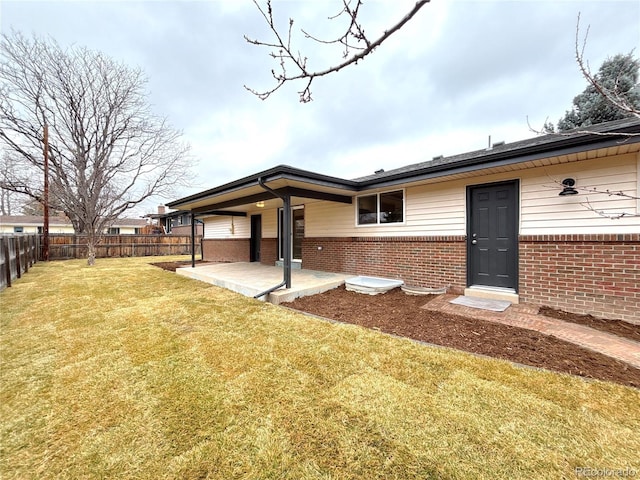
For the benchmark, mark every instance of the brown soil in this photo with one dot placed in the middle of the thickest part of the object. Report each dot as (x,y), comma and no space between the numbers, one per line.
(401,314)
(171,266)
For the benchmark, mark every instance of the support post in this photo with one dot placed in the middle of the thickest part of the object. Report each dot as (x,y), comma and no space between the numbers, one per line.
(286,218)
(193,240)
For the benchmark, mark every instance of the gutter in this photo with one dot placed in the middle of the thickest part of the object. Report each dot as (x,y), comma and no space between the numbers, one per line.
(286,254)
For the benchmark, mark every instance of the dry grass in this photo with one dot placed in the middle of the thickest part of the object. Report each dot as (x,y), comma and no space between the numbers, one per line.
(124,370)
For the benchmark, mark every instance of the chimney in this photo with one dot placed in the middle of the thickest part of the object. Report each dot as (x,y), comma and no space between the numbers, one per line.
(161,209)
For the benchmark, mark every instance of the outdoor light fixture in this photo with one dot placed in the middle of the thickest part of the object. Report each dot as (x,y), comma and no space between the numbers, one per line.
(260,204)
(568,189)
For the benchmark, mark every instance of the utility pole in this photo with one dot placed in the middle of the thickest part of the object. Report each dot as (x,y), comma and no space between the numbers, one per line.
(45,228)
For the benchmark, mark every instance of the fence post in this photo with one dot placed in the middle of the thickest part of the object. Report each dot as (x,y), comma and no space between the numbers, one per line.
(25,246)
(7,260)
(18,265)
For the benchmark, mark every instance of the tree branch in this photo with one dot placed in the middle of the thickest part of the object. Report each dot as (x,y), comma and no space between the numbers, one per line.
(613,96)
(353,36)
(606,213)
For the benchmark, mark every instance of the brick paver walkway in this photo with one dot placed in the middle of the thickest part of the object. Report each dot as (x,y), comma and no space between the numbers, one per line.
(526,316)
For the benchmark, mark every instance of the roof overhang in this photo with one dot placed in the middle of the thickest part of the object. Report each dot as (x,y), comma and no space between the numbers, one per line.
(502,163)
(242,194)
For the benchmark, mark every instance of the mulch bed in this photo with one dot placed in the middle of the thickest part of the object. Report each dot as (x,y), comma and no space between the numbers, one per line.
(402,315)
(616,327)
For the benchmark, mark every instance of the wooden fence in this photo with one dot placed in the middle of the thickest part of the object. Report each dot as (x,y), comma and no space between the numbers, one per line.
(17,255)
(65,246)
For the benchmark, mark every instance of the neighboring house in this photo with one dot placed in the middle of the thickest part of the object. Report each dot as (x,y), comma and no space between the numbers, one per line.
(176,222)
(127,226)
(30,224)
(490,222)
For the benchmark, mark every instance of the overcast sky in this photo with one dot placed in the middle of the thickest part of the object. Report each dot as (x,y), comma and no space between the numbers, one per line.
(457,73)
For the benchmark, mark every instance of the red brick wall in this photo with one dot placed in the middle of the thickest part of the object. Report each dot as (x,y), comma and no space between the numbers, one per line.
(225,250)
(419,261)
(269,251)
(596,274)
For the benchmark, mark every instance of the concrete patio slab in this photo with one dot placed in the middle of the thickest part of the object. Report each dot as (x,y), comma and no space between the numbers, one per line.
(252,278)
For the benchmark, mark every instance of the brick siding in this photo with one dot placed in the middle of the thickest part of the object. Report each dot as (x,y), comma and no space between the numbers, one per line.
(419,261)
(268,251)
(225,250)
(595,274)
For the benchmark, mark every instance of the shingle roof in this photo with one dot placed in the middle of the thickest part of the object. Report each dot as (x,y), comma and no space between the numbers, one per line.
(32,220)
(39,220)
(539,144)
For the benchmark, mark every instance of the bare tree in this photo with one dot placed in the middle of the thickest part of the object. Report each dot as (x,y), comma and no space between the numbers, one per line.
(10,201)
(107,151)
(292,64)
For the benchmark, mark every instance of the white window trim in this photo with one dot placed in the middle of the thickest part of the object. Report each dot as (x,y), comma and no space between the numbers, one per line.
(378,224)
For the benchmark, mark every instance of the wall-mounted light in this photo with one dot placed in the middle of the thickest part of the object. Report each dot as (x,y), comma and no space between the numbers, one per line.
(260,204)
(568,184)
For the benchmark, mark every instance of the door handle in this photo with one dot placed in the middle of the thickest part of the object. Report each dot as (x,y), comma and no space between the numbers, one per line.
(474,241)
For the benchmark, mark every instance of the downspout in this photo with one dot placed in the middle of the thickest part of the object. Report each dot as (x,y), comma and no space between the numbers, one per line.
(286,254)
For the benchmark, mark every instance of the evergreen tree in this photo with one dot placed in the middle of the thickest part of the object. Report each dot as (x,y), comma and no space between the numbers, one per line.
(618,76)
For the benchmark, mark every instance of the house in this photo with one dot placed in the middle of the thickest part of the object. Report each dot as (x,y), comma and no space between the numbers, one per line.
(523,221)
(30,224)
(176,222)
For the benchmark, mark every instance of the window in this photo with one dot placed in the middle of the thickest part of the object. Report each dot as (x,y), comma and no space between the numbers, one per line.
(381,208)
(18,229)
(113,231)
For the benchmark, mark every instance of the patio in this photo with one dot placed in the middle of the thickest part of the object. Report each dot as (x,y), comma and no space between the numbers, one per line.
(253,278)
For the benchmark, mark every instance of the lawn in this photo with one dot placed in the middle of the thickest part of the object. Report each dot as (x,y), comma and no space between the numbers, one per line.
(124,370)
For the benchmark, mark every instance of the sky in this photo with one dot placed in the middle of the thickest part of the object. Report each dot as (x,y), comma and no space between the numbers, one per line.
(457,73)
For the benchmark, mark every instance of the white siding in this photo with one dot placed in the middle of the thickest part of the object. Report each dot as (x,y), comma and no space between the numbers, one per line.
(227,227)
(429,210)
(437,209)
(270,223)
(9,229)
(440,208)
(221,226)
(328,219)
(31,229)
(543,211)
